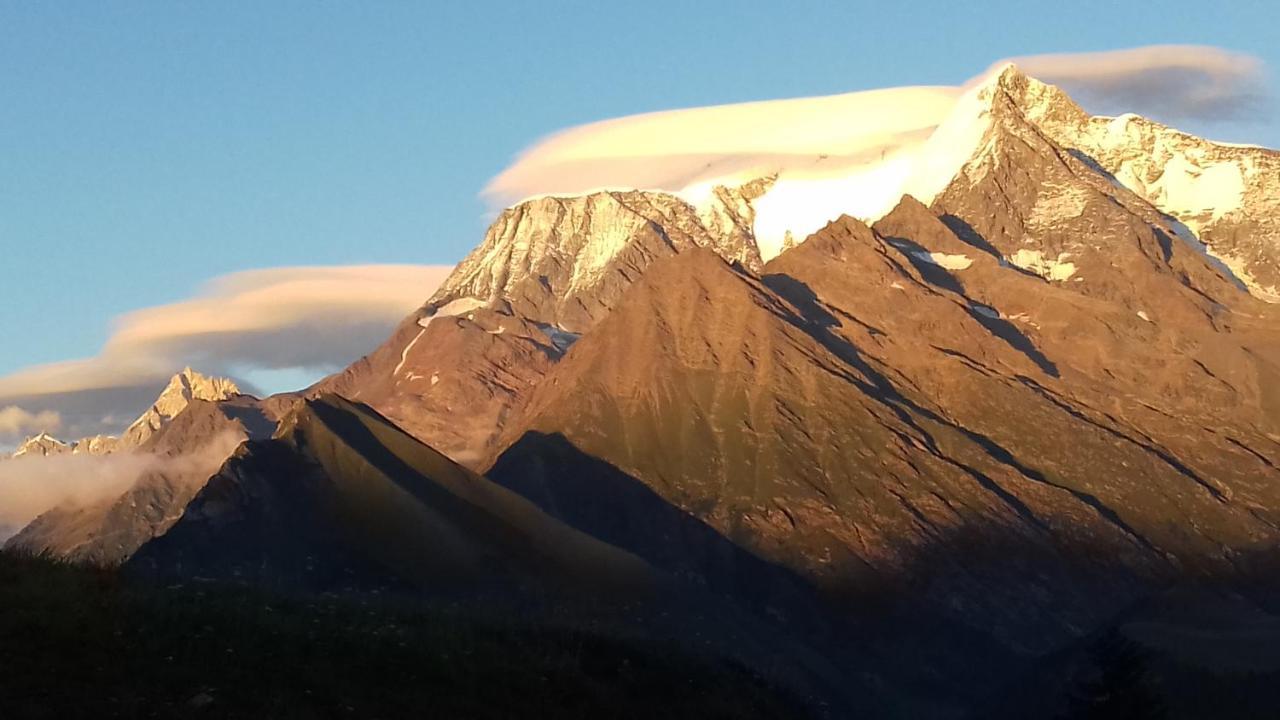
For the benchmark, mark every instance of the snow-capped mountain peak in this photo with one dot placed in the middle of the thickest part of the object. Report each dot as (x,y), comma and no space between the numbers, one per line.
(853,164)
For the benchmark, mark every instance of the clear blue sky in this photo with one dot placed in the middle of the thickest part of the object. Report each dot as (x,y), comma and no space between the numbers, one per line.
(148,146)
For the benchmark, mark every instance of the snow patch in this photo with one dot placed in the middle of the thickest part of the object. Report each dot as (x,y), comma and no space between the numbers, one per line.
(1240,273)
(404,354)
(1052,269)
(950,262)
(451,308)
(1187,189)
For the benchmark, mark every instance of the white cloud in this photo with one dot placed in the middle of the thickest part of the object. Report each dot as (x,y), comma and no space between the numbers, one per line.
(18,421)
(676,149)
(681,149)
(311,318)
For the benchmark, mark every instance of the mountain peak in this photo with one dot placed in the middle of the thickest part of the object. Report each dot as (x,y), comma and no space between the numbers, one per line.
(191,385)
(41,445)
(563,260)
(182,388)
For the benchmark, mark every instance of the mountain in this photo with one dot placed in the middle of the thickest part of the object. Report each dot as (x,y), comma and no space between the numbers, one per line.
(954,408)
(566,261)
(340,495)
(180,442)
(934,448)
(546,271)
(1226,196)
(45,445)
(41,445)
(183,388)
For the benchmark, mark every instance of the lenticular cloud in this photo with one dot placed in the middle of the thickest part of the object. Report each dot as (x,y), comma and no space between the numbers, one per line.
(857,152)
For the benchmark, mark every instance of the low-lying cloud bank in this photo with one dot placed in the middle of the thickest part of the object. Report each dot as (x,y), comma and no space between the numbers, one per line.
(314,319)
(31,486)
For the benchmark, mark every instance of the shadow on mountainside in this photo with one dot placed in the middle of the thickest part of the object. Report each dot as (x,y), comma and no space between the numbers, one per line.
(960,623)
(815,312)
(601,500)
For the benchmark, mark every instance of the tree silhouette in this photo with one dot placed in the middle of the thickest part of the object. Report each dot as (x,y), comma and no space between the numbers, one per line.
(1122,689)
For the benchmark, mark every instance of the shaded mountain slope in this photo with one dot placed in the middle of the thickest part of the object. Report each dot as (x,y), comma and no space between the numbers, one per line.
(218,651)
(339,495)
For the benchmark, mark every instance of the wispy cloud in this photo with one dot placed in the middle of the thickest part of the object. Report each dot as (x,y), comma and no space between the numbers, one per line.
(311,318)
(1170,83)
(30,486)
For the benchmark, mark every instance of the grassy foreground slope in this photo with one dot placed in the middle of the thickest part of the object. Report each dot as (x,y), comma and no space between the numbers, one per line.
(78,642)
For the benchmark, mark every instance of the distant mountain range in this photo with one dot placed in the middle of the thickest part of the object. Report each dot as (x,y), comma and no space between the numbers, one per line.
(925,453)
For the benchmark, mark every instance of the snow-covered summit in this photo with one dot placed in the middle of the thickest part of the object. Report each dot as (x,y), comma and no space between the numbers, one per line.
(751,180)
(564,260)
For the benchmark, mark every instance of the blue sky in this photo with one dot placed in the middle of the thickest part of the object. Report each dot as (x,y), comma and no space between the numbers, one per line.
(146,147)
